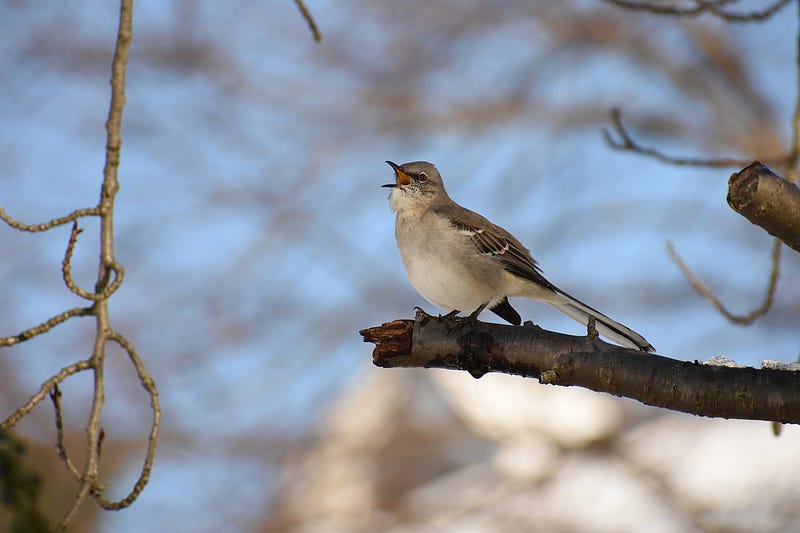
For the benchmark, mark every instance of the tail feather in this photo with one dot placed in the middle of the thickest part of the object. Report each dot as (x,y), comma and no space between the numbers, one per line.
(506,312)
(607,327)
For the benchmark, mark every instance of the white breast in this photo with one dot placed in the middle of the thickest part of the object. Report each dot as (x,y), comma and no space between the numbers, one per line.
(433,255)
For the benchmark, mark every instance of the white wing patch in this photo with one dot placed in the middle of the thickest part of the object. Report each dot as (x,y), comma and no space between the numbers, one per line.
(487,244)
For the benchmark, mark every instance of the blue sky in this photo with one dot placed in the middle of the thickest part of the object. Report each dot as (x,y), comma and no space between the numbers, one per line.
(257,240)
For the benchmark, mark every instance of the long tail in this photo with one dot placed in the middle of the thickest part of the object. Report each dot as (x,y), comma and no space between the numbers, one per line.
(611,329)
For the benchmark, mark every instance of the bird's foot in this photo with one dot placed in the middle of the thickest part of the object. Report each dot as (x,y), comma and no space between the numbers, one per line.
(420,311)
(451,314)
(474,315)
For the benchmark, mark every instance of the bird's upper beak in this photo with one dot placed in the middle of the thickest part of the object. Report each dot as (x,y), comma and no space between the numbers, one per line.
(400,175)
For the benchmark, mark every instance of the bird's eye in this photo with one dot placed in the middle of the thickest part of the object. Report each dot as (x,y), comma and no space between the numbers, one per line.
(422,177)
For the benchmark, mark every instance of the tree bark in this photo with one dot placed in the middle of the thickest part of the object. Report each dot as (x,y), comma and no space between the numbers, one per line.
(557,359)
(767,200)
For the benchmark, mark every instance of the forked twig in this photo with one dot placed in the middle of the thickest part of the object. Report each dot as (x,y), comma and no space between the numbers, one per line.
(624,141)
(109,278)
(110,186)
(43,391)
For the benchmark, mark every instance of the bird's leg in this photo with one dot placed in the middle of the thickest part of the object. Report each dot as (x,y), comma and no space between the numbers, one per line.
(591,328)
(419,310)
(473,316)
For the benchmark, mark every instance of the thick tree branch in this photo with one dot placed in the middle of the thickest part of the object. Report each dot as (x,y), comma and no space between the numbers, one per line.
(557,359)
(767,200)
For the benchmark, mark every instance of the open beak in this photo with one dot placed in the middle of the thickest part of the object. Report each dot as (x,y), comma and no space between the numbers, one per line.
(402,177)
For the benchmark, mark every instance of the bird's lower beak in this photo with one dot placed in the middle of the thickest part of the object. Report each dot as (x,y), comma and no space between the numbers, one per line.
(400,175)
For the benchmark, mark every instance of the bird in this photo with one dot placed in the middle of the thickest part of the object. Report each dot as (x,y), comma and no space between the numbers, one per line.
(461,262)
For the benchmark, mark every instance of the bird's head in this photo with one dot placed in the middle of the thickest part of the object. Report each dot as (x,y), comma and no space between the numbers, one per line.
(417,186)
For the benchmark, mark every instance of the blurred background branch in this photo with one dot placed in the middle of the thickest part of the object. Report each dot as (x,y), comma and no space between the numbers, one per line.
(781,215)
(624,142)
(703,290)
(701,7)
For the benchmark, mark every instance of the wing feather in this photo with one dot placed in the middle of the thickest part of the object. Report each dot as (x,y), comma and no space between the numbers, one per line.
(495,242)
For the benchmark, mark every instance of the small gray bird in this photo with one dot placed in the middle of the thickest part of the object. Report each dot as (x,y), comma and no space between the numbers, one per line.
(459,261)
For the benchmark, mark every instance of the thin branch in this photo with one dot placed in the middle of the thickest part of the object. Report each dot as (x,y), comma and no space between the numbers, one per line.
(46,326)
(44,389)
(82,493)
(705,291)
(66,271)
(109,278)
(34,228)
(701,7)
(625,142)
(309,20)
(66,264)
(556,359)
(794,149)
(149,385)
(55,396)
(107,195)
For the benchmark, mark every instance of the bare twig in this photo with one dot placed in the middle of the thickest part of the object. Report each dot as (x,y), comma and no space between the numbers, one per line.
(107,263)
(705,291)
(109,278)
(626,142)
(81,496)
(309,20)
(55,396)
(34,228)
(66,271)
(44,389)
(702,7)
(66,264)
(45,326)
(149,386)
